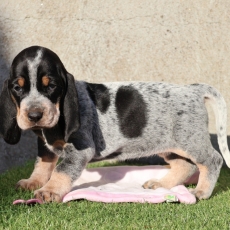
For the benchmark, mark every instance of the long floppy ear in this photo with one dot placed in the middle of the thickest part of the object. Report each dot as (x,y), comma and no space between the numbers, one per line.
(70,107)
(9,129)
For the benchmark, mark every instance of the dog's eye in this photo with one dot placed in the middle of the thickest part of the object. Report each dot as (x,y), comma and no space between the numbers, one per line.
(17,88)
(51,86)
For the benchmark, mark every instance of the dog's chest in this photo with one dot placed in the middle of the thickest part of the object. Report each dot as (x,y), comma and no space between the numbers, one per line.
(53,140)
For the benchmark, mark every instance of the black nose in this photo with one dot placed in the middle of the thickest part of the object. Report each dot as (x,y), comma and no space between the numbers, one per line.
(35,116)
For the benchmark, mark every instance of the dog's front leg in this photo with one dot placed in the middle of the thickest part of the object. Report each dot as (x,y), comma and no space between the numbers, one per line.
(64,174)
(44,165)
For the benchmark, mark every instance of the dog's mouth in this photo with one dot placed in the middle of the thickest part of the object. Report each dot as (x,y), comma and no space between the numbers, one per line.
(48,124)
(36,128)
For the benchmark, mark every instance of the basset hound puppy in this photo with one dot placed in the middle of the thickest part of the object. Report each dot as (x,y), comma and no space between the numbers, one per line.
(80,122)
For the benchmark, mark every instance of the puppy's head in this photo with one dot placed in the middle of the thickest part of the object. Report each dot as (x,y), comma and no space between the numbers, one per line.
(38,91)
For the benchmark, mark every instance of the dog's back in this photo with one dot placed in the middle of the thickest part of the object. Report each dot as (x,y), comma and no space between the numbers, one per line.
(147,118)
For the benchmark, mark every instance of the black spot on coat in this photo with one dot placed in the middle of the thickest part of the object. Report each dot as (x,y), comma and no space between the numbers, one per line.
(131,111)
(179,113)
(166,94)
(99,93)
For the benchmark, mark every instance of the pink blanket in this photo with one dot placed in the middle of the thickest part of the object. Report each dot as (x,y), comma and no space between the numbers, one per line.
(124,184)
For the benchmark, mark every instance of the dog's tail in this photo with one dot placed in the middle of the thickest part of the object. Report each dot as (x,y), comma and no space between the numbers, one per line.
(220,110)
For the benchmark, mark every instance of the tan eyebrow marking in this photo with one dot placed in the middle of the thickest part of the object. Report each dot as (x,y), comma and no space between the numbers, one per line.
(45,81)
(21,81)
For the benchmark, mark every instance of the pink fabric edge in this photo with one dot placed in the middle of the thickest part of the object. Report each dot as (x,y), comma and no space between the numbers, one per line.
(184,196)
(180,191)
(28,202)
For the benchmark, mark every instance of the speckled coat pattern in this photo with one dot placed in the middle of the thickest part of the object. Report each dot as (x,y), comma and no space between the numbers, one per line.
(82,122)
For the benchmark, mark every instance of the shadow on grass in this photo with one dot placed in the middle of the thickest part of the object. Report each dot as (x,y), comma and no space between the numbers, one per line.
(223,183)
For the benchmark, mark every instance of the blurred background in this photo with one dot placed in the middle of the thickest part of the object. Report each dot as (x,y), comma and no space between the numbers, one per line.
(175,41)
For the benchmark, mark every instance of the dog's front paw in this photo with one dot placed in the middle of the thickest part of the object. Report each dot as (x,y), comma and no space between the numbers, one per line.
(55,189)
(47,195)
(151,184)
(29,184)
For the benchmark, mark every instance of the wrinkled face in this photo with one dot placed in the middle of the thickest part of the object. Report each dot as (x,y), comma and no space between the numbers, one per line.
(36,87)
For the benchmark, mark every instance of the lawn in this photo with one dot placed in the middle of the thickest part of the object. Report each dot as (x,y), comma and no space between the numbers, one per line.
(206,214)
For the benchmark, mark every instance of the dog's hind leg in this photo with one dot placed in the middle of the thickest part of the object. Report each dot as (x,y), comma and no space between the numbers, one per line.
(209,172)
(181,170)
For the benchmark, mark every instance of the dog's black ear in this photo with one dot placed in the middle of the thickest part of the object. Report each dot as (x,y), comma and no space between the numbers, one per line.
(70,107)
(9,129)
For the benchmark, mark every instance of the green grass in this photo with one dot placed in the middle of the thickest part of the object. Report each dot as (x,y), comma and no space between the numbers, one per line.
(207,214)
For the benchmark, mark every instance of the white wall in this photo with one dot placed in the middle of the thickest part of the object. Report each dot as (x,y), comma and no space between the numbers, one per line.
(177,41)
